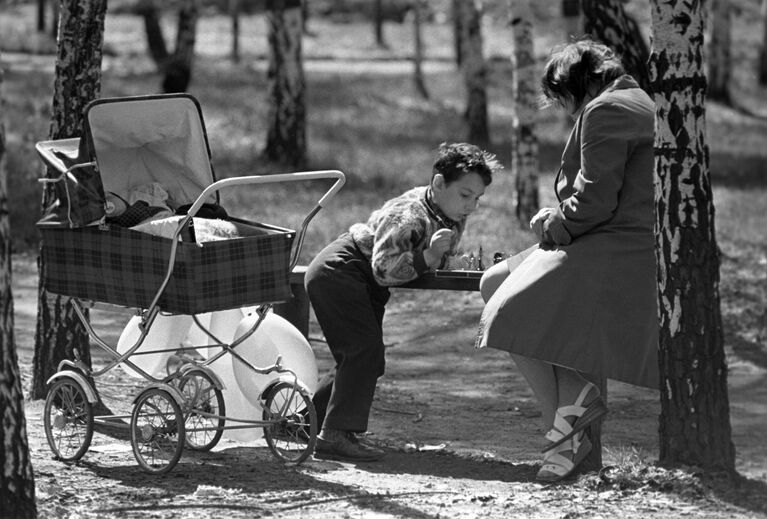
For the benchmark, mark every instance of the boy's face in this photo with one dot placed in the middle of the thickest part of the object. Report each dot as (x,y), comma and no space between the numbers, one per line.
(458,199)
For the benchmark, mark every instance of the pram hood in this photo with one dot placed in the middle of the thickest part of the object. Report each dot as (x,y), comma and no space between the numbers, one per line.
(150,139)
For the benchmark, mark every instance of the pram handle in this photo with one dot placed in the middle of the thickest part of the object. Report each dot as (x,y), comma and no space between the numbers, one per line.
(264,179)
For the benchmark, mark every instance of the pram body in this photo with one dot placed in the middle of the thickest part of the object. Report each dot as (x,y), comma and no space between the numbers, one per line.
(161,140)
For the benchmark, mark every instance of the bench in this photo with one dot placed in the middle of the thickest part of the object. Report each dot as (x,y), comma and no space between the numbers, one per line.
(296,311)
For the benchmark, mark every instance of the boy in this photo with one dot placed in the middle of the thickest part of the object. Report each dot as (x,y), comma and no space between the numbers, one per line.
(347,286)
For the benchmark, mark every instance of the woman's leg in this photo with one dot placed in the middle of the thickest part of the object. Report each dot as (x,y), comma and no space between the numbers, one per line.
(554,386)
(541,376)
(492,279)
(570,384)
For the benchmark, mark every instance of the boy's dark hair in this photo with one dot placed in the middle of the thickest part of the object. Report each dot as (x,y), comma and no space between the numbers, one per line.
(460,158)
(571,69)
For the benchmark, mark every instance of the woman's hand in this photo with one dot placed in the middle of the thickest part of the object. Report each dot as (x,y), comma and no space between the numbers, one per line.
(539,224)
(549,228)
(438,246)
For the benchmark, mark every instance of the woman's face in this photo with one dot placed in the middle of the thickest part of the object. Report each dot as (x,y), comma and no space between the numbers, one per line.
(572,108)
(459,198)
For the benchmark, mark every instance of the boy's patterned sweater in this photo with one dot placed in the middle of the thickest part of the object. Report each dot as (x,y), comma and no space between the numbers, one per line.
(395,236)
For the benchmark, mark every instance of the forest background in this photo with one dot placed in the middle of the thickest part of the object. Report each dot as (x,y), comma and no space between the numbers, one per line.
(366,118)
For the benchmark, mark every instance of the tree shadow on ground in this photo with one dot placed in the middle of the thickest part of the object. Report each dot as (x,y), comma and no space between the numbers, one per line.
(254,475)
(446,464)
(739,491)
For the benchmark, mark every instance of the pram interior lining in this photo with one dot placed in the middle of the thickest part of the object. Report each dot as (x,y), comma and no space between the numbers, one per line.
(152,139)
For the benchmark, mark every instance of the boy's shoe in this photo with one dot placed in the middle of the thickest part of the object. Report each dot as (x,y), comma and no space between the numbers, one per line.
(345,446)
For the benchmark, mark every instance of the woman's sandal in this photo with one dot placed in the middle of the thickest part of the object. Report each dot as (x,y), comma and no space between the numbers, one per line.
(585,416)
(557,466)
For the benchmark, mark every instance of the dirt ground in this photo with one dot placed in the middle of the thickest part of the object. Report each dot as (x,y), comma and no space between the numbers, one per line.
(460,428)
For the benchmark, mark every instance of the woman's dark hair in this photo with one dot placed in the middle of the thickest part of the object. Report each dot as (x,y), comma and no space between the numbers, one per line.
(458,159)
(573,68)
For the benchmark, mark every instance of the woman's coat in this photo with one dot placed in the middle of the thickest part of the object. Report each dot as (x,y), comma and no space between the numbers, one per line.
(589,301)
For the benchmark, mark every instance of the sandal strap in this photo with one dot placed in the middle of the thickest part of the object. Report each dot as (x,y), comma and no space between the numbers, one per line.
(577,408)
(561,426)
(563,447)
(558,464)
(555,434)
(584,393)
(577,440)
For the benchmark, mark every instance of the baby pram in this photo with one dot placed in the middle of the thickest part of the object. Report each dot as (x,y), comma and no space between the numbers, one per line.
(161,142)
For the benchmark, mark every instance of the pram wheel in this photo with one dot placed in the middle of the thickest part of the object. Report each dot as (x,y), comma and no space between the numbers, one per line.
(204,410)
(157,431)
(68,420)
(292,431)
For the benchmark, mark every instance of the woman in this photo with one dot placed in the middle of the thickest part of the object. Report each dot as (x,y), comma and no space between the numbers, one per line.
(583,301)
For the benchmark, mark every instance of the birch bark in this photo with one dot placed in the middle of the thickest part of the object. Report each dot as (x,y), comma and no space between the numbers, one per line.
(286,119)
(694,421)
(17,482)
(524,141)
(77,81)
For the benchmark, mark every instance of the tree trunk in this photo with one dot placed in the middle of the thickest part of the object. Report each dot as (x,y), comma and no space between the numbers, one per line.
(55,19)
(474,72)
(608,22)
(378,23)
(763,50)
(17,481)
(524,141)
(77,81)
(41,15)
(305,17)
(420,83)
(457,32)
(155,41)
(234,14)
(571,14)
(286,119)
(719,51)
(178,68)
(695,415)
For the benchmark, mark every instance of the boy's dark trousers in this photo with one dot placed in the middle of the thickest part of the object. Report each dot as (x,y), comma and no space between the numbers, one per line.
(349,306)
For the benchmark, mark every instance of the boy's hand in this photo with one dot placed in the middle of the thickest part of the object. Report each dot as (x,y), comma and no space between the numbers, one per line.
(438,246)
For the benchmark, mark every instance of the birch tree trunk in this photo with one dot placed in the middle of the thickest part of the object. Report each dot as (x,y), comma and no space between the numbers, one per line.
(17,482)
(457,31)
(571,14)
(608,22)
(719,51)
(77,81)
(155,41)
(286,120)
(378,23)
(524,141)
(178,68)
(695,416)
(234,15)
(474,72)
(55,19)
(420,83)
(763,50)
(41,15)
